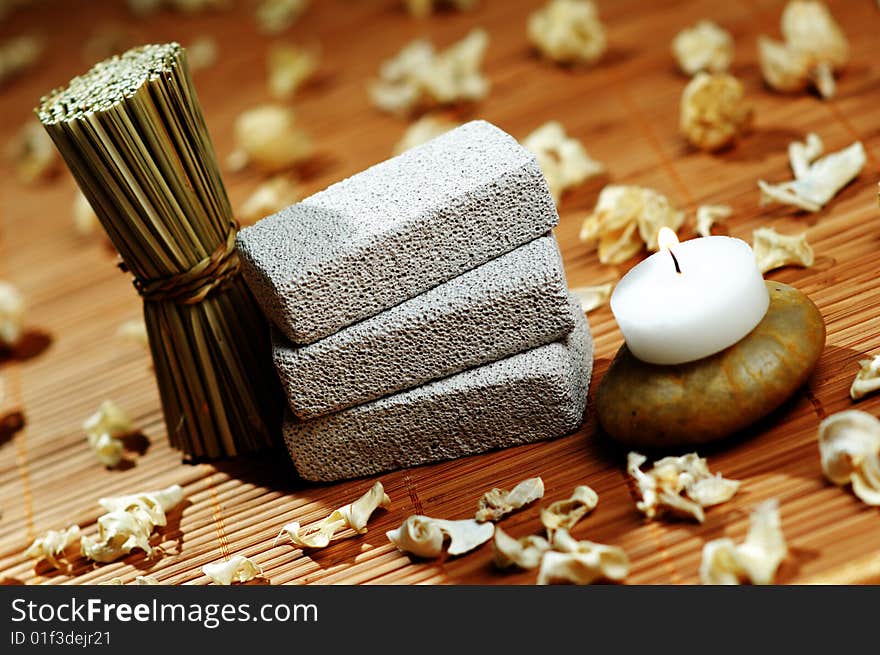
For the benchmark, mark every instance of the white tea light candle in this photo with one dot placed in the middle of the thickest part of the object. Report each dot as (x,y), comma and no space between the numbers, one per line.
(690,300)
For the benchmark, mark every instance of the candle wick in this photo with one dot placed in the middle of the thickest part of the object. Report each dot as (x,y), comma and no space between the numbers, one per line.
(675,261)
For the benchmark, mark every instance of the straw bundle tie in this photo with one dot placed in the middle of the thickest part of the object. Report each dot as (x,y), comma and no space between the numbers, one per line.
(194,285)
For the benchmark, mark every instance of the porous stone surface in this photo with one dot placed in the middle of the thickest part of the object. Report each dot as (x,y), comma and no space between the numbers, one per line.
(395,230)
(510,304)
(538,394)
(655,406)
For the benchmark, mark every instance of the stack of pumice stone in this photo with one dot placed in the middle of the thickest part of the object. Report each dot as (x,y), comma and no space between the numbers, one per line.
(420,310)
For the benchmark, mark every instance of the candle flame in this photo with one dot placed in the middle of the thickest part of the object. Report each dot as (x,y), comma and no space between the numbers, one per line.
(666,238)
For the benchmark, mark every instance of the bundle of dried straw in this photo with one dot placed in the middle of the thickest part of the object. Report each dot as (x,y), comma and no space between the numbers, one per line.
(132,133)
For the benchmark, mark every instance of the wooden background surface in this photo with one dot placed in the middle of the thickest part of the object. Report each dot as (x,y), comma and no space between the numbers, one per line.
(625,111)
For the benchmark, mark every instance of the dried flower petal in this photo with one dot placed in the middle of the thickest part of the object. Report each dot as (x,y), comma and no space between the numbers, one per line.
(135,330)
(354,515)
(147,580)
(289,66)
(423,536)
(714,111)
(849,444)
(237,568)
(708,215)
(563,514)
(814,48)
(774,250)
(85,220)
(681,485)
(275,16)
(419,77)
(201,53)
(581,562)
(11,315)
(269,197)
(756,559)
(139,580)
(128,523)
(816,180)
(17,55)
(32,153)
(268,137)
(568,32)
(594,296)
(103,429)
(107,449)
(423,8)
(703,47)
(525,553)
(867,379)
(626,218)
(422,131)
(145,7)
(563,160)
(498,503)
(52,544)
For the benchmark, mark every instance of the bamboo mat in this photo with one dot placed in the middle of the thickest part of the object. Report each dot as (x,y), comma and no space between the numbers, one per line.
(625,111)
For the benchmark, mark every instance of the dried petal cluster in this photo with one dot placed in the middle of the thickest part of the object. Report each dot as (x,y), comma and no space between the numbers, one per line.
(756,559)
(129,522)
(592,297)
(568,32)
(103,429)
(424,536)
(814,48)
(32,153)
(423,8)
(17,55)
(563,160)
(680,485)
(289,67)
(498,503)
(703,47)
(269,197)
(237,568)
(625,219)
(816,181)
(268,137)
(419,77)
(53,544)
(354,515)
(714,111)
(849,445)
(867,380)
(11,315)
(562,558)
(275,16)
(774,250)
(581,562)
(422,131)
(708,215)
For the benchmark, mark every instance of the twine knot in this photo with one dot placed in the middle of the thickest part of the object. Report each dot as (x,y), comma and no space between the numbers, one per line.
(194,285)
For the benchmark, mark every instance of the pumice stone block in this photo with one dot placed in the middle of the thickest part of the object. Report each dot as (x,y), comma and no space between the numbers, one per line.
(395,230)
(510,304)
(538,394)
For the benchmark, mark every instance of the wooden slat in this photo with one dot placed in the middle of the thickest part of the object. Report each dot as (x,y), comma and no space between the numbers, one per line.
(625,111)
